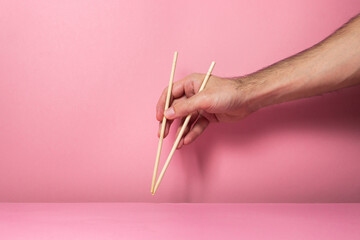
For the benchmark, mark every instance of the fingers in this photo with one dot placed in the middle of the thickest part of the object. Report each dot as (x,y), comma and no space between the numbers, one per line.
(167,128)
(197,102)
(181,90)
(201,124)
(187,86)
(193,119)
(177,92)
(168,122)
(178,88)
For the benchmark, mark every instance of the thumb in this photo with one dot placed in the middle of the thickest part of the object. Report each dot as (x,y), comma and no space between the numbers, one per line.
(186,106)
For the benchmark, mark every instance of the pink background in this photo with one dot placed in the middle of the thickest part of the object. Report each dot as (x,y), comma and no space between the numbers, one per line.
(179,221)
(79,81)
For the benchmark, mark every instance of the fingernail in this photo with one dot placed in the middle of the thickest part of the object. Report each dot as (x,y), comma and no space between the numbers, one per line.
(169,112)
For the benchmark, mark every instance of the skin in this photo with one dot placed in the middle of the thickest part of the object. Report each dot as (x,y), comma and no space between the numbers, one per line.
(332,64)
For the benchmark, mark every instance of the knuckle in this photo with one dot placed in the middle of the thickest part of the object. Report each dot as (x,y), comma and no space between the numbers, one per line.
(187,84)
(196,76)
(188,87)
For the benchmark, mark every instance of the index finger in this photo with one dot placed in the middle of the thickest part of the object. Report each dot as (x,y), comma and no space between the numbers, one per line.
(175,93)
(178,91)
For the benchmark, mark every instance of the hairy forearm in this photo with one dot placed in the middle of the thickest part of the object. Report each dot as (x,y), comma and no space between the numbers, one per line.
(330,65)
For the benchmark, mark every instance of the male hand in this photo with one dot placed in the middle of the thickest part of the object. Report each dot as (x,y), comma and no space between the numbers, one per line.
(222,100)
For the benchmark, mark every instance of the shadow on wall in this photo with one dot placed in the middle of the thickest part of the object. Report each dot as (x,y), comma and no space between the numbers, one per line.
(337,111)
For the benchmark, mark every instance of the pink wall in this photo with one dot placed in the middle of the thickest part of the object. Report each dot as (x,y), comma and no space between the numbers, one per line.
(79,81)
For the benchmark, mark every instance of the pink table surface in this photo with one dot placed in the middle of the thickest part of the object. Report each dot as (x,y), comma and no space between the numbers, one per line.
(178,221)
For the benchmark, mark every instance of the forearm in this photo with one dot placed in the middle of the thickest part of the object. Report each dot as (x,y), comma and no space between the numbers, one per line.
(332,64)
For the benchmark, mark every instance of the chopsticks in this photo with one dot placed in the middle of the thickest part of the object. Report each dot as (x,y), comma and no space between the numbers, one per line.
(182,130)
(163,124)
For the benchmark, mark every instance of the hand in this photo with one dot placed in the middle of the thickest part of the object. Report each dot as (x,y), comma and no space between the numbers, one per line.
(222,100)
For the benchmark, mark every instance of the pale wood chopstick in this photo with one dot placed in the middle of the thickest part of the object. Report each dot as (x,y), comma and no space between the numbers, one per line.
(163,124)
(178,138)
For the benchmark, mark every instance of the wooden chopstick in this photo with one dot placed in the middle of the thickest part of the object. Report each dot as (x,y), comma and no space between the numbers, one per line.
(178,138)
(163,124)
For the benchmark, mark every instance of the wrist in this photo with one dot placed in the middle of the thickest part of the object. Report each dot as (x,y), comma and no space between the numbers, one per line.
(264,88)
